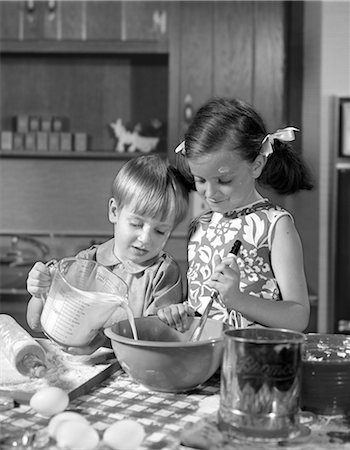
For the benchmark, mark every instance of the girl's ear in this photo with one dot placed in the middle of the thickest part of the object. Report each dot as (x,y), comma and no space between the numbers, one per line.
(113,211)
(258,166)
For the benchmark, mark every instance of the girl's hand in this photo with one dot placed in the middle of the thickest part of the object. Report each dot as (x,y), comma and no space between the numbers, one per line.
(39,280)
(177,316)
(225,279)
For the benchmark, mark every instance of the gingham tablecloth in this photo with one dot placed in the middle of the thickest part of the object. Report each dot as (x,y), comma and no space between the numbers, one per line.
(165,416)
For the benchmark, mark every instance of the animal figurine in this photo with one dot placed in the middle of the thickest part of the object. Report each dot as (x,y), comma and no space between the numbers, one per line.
(128,141)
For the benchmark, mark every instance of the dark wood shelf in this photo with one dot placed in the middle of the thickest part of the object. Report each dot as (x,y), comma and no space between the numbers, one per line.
(83,47)
(69,155)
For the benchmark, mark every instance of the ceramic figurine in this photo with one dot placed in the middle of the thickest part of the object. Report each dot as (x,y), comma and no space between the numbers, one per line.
(128,141)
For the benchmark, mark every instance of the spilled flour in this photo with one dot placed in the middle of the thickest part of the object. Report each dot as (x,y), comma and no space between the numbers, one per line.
(64,370)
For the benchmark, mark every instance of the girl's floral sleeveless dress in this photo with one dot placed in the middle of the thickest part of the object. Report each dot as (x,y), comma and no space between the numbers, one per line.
(214,234)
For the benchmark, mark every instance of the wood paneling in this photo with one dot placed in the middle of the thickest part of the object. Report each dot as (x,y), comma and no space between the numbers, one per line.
(145,20)
(233,50)
(103,20)
(196,63)
(9,19)
(342,252)
(39,20)
(56,196)
(71,24)
(269,62)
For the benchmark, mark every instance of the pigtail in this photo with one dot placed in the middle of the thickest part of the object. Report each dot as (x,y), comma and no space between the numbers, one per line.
(285,171)
(182,166)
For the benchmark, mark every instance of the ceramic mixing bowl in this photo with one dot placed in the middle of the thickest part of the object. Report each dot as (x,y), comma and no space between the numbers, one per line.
(325,385)
(164,359)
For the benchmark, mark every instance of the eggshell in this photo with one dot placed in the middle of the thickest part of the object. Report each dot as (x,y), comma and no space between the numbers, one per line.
(59,419)
(77,436)
(124,435)
(49,401)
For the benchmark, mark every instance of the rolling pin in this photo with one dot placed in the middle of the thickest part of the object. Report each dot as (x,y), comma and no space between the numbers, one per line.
(21,349)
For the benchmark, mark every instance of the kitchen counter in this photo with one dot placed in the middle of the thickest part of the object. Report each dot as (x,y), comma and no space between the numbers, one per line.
(165,416)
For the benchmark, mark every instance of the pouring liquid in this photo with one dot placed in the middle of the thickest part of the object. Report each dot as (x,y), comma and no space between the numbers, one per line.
(131,320)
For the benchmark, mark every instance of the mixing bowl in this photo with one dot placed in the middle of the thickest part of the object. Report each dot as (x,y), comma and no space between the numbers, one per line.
(325,387)
(164,359)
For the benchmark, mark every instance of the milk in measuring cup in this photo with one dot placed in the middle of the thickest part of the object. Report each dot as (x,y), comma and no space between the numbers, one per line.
(82,297)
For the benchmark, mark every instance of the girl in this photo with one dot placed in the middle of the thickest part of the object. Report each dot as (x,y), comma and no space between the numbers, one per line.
(227,154)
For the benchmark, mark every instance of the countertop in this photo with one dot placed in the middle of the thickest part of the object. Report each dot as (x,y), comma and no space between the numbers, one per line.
(165,417)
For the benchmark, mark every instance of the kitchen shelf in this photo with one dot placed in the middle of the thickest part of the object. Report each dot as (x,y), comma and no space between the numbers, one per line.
(84,47)
(69,155)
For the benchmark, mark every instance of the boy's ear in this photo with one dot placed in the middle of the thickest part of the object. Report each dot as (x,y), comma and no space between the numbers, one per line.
(113,211)
(258,166)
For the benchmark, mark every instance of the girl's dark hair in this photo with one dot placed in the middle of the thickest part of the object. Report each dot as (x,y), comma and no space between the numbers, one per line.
(153,187)
(233,124)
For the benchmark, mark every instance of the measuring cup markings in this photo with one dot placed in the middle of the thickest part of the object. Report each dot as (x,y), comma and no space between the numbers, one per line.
(82,297)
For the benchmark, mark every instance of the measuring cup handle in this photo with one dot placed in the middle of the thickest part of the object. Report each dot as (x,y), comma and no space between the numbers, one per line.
(52,266)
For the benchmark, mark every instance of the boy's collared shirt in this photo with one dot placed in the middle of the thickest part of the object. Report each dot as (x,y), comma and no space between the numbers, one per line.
(150,287)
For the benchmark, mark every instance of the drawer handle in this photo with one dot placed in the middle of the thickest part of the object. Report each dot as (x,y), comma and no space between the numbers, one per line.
(159,21)
(51,7)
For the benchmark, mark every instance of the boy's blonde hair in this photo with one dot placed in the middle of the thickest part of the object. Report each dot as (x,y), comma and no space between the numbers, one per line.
(153,188)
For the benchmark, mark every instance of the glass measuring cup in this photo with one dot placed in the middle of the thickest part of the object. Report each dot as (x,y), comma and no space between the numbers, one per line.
(82,297)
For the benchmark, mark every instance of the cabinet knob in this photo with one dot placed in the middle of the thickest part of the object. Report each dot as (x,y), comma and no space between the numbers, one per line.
(51,7)
(344,326)
(188,109)
(30,7)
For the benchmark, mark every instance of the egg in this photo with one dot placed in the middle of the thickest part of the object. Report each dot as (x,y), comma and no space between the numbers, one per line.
(66,416)
(77,436)
(49,401)
(124,435)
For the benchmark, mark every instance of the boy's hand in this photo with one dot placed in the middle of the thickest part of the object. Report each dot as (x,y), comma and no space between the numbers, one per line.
(34,310)
(177,316)
(39,280)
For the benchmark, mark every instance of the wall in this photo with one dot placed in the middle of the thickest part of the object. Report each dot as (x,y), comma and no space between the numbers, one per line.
(326,75)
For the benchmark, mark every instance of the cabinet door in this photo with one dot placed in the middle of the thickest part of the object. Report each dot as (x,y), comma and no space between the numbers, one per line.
(195,64)
(269,62)
(9,20)
(39,19)
(144,20)
(103,20)
(342,253)
(71,23)
(233,49)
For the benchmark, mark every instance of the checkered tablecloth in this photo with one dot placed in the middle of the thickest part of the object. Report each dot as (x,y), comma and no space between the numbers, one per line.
(163,415)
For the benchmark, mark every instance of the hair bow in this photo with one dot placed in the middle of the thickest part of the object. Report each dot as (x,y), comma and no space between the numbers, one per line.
(284,135)
(180,148)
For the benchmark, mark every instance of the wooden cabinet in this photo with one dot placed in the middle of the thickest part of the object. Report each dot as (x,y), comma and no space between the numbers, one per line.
(145,20)
(37,20)
(342,254)
(137,61)
(232,49)
(10,20)
(83,20)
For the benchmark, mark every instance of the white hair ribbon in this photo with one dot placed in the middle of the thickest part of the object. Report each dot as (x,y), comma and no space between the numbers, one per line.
(284,135)
(180,148)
